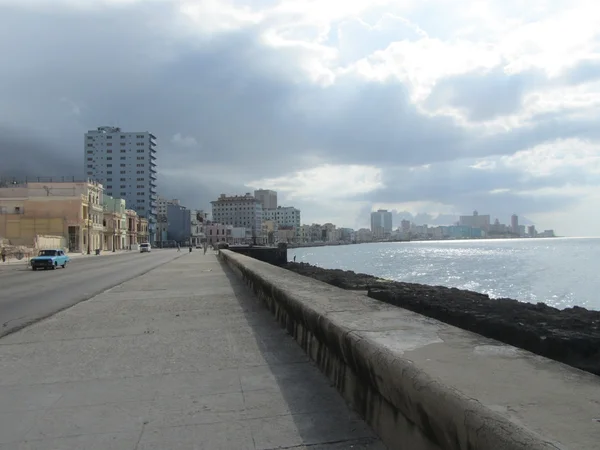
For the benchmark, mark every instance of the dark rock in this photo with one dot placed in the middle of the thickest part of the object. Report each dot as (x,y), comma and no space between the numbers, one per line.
(571,336)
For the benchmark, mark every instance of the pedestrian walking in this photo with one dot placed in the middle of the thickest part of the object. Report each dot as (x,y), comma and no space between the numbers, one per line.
(205,247)
(178,248)
(3,253)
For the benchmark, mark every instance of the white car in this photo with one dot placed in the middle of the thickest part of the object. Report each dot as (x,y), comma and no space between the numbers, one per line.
(145,248)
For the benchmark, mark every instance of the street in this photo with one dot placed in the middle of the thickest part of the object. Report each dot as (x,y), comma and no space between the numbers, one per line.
(27,296)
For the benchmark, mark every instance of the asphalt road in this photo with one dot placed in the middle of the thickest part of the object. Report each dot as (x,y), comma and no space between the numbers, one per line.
(27,296)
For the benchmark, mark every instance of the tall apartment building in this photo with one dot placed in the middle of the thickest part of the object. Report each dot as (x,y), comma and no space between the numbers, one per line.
(381,223)
(125,163)
(267,198)
(285,217)
(239,211)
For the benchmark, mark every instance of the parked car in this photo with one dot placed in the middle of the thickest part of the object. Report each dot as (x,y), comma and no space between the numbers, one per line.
(145,248)
(49,259)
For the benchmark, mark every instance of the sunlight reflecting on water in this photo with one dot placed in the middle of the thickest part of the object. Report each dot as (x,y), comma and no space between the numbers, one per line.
(559,272)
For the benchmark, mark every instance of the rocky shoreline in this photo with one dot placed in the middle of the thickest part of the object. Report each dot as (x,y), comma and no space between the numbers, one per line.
(571,336)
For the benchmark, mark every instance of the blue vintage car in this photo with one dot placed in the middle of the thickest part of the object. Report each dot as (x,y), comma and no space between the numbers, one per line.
(49,259)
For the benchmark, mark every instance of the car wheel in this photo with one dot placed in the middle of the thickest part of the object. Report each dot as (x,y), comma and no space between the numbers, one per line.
(64,266)
(54,266)
(33,268)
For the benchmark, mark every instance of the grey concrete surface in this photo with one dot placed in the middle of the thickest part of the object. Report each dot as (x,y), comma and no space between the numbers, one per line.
(183,357)
(459,389)
(26,296)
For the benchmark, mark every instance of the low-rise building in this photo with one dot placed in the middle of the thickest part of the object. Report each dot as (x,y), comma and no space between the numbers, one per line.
(218,232)
(72,211)
(132,219)
(115,224)
(143,234)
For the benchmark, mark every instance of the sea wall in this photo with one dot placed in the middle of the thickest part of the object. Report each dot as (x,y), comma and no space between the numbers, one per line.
(423,384)
(571,336)
(272,255)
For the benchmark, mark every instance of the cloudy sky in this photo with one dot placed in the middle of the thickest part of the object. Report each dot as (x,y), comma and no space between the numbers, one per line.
(342,106)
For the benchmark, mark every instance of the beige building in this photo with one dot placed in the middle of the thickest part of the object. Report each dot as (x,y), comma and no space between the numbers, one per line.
(70,211)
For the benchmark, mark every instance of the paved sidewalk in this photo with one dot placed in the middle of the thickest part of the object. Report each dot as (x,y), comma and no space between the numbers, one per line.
(180,358)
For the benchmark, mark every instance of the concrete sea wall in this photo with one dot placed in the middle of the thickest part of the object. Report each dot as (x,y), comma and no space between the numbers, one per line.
(571,335)
(423,384)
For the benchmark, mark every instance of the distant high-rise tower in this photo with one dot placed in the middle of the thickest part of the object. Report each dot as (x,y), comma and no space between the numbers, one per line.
(514,223)
(381,223)
(125,163)
(267,198)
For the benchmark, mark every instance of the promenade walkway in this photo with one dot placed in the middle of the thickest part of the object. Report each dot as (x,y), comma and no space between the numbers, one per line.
(183,357)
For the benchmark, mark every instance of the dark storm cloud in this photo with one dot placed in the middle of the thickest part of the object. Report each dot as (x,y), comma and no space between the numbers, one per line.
(22,155)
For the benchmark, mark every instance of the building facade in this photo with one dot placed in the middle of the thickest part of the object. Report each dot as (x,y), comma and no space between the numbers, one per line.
(115,224)
(381,223)
(285,216)
(476,221)
(71,211)
(239,211)
(179,223)
(267,198)
(125,163)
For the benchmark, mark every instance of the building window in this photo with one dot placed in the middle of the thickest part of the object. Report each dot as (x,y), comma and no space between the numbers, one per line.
(140,157)
(123,150)
(108,151)
(109,165)
(109,144)
(123,165)
(122,194)
(109,187)
(123,157)
(122,144)
(89,166)
(109,172)
(109,158)
(109,179)
(90,159)
(90,152)
(108,137)
(123,172)
(90,145)
(123,179)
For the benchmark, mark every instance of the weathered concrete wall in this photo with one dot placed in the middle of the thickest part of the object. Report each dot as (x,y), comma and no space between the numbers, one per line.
(276,256)
(425,385)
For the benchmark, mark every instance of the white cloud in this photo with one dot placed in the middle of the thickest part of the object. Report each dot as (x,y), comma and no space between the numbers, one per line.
(325,183)
(184,141)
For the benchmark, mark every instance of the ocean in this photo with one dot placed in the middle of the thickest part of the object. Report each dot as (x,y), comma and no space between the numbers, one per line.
(561,272)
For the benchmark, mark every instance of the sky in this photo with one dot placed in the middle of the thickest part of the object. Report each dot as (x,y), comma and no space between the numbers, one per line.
(430,108)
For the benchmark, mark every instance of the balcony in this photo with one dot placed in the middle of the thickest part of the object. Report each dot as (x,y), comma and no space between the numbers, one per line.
(152,156)
(153,175)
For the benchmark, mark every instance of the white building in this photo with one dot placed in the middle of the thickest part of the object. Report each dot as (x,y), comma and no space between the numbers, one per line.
(284,216)
(267,198)
(239,211)
(125,163)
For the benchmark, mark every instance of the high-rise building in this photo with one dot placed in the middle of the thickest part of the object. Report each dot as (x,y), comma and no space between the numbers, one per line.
(381,223)
(125,163)
(267,198)
(514,223)
(284,217)
(239,211)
